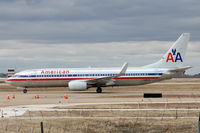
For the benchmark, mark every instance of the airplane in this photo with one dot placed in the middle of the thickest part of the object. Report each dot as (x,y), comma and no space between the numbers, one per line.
(81,79)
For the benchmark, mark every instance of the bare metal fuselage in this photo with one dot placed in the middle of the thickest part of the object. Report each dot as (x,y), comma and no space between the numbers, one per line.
(61,77)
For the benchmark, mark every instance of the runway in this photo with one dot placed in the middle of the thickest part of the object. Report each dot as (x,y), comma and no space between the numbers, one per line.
(172,83)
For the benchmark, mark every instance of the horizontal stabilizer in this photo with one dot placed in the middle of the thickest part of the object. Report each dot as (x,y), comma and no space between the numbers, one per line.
(180,69)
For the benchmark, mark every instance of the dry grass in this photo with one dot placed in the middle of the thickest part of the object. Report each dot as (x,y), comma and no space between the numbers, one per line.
(99,126)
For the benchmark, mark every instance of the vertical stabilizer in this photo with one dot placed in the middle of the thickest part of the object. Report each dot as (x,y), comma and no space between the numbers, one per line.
(175,55)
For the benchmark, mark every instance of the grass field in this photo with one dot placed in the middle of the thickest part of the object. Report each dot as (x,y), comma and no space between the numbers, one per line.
(93,125)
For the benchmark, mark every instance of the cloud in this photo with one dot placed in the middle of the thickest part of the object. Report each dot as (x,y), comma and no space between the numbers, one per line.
(72,21)
(50,33)
(29,55)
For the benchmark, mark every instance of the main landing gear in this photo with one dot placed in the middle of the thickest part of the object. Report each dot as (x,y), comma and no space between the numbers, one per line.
(25,90)
(99,90)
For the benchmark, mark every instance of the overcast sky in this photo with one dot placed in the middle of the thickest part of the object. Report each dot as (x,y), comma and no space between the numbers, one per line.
(97,33)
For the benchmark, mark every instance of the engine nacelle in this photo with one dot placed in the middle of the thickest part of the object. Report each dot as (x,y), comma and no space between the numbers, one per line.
(77,85)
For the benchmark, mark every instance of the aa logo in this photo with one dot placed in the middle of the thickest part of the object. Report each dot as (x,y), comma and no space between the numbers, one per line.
(173,56)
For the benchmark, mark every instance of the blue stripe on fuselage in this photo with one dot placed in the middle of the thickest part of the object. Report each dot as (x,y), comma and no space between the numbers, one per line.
(89,75)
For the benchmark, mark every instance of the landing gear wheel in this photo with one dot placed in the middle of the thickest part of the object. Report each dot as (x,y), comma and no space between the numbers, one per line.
(25,90)
(99,90)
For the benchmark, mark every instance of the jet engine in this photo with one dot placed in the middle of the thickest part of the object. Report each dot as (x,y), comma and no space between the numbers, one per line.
(77,85)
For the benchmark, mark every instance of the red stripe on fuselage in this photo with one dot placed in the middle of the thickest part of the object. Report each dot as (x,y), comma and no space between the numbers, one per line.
(45,79)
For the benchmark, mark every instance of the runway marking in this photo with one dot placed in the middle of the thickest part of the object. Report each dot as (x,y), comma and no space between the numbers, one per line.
(12,111)
(149,109)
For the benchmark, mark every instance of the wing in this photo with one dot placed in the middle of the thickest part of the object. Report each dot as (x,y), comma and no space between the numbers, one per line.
(107,81)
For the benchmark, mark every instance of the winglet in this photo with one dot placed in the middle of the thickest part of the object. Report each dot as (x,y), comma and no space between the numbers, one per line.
(124,68)
(108,80)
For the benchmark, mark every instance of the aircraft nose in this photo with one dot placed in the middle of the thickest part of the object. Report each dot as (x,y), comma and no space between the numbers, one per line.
(8,81)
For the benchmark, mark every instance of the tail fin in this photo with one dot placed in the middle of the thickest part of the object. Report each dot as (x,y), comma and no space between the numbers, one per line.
(175,55)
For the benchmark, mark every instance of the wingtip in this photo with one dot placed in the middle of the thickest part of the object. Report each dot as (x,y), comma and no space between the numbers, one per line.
(124,68)
(186,34)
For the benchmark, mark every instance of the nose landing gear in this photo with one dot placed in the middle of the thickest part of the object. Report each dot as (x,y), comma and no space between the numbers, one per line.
(25,90)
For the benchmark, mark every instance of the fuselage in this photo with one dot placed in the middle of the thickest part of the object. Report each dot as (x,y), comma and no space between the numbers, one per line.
(60,77)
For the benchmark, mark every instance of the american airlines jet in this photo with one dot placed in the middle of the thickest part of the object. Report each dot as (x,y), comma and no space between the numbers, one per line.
(81,79)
